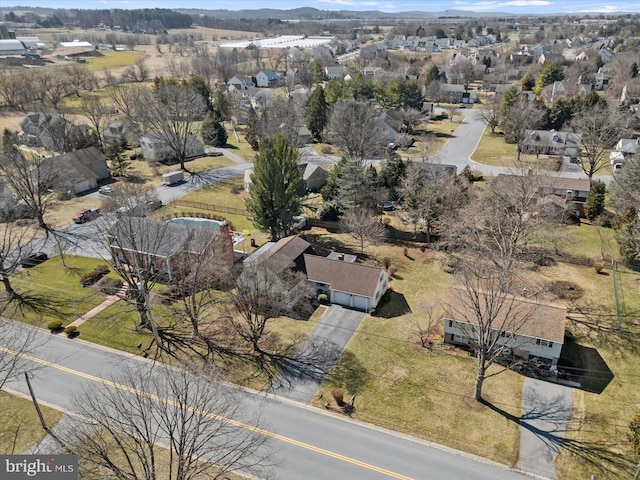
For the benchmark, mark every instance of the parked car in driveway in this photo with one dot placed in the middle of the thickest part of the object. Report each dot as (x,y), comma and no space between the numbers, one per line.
(34,259)
(86,215)
(105,190)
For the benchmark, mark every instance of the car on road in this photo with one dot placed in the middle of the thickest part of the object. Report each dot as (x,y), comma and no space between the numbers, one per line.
(86,215)
(105,190)
(34,259)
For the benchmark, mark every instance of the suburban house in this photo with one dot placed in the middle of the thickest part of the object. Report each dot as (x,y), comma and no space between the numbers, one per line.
(345,282)
(333,72)
(156,149)
(313,176)
(48,131)
(348,284)
(571,191)
(82,169)
(269,79)
(390,125)
(525,327)
(551,142)
(288,252)
(120,131)
(240,82)
(452,93)
(162,247)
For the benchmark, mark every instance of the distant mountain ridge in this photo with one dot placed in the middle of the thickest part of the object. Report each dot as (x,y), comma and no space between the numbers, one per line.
(301,13)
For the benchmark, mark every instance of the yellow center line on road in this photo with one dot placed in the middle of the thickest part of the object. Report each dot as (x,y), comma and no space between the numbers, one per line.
(230,421)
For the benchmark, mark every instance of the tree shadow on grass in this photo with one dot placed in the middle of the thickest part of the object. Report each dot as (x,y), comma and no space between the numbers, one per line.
(27,304)
(349,373)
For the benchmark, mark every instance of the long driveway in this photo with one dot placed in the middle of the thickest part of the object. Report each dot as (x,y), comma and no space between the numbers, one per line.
(546,408)
(307,443)
(301,378)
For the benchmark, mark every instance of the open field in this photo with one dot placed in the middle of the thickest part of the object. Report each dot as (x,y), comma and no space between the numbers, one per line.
(20,427)
(112,60)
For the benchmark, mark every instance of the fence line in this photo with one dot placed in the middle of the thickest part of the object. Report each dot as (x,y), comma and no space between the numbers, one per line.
(210,206)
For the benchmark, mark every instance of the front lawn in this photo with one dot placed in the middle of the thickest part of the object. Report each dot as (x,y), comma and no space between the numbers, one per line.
(51,291)
(405,387)
(20,427)
(493,150)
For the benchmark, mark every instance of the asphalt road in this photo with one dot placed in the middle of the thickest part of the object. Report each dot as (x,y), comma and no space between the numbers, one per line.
(464,141)
(308,443)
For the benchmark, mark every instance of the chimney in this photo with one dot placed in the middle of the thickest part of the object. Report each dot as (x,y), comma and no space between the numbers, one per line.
(569,195)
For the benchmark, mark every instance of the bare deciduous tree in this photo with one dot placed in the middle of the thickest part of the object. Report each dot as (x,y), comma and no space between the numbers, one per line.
(16,341)
(353,128)
(522,116)
(31,178)
(15,243)
(170,114)
(489,315)
(600,128)
(263,291)
(490,113)
(363,225)
(94,109)
(157,422)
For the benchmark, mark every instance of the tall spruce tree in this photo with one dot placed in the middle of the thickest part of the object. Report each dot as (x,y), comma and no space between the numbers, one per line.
(316,115)
(275,185)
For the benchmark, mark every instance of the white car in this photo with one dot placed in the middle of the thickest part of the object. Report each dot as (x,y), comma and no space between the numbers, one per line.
(105,190)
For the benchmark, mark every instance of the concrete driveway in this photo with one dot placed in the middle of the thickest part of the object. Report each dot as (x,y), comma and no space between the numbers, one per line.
(300,379)
(546,408)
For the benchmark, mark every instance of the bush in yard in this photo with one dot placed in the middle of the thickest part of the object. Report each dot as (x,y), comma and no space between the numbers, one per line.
(386,262)
(323,298)
(109,286)
(392,270)
(54,324)
(594,206)
(93,276)
(329,211)
(71,329)
(372,312)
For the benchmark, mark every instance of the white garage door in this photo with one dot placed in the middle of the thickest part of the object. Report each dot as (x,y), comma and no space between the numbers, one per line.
(361,303)
(342,298)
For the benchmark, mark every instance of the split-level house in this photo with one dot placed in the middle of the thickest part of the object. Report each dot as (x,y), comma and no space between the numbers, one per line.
(523,327)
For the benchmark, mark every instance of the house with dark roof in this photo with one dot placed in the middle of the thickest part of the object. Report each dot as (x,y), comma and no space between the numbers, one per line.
(162,248)
(288,251)
(82,169)
(525,327)
(269,79)
(351,285)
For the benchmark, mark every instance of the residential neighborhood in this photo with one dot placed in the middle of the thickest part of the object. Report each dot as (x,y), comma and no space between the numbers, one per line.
(302,243)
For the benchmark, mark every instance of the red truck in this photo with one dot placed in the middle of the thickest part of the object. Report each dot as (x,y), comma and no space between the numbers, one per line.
(85,215)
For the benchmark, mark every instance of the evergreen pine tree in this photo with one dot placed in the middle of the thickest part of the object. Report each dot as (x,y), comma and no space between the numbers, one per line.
(275,184)
(317,113)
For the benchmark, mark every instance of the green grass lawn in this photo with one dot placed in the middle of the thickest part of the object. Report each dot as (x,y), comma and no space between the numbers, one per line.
(239,145)
(20,427)
(402,386)
(493,150)
(598,426)
(51,291)
(112,60)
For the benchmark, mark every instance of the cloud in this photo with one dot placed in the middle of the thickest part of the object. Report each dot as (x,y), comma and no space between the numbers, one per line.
(497,5)
(608,9)
(358,3)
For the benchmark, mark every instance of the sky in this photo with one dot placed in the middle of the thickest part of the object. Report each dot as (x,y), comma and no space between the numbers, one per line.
(502,6)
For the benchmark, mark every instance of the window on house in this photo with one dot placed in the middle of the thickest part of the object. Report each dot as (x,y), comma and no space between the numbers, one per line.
(544,343)
(450,323)
(460,339)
